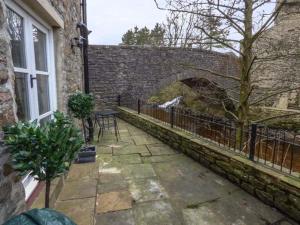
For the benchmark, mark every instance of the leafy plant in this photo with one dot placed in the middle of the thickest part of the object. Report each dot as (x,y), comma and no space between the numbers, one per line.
(45,152)
(81,105)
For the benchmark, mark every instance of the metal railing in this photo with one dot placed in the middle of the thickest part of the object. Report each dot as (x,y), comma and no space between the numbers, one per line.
(272,147)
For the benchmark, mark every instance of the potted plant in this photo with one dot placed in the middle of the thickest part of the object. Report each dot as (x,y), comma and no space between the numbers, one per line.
(45,152)
(81,106)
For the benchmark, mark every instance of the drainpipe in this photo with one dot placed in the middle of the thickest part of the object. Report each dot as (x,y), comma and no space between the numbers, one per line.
(85,34)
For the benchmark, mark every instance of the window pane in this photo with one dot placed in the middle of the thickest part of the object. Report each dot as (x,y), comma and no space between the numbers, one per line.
(45,120)
(43,93)
(16,33)
(21,90)
(40,51)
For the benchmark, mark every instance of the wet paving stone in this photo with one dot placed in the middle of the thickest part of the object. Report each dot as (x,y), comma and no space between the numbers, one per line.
(113,201)
(138,171)
(78,189)
(124,217)
(79,210)
(128,159)
(237,208)
(132,149)
(83,171)
(154,213)
(112,187)
(145,140)
(143,190)
(160,149)
(141,181)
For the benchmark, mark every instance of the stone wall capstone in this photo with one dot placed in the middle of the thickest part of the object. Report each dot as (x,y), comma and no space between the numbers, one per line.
(141,71)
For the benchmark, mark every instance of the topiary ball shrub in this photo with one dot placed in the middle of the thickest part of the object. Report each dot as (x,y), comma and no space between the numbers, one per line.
(81,105)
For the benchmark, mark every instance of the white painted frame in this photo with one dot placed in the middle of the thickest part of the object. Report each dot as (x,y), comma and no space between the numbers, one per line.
(31,19)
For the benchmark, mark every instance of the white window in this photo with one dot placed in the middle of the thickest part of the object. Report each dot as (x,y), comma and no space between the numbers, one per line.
(32,54)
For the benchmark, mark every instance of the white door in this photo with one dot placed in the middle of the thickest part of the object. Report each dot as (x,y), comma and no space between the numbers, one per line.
(32,54)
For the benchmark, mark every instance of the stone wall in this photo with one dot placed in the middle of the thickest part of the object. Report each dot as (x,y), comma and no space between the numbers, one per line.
(139,72)
(273,188)
(278,64)
(12,195)
(68,63)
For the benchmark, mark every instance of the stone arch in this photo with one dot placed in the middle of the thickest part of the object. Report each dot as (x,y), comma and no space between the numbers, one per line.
(140,71)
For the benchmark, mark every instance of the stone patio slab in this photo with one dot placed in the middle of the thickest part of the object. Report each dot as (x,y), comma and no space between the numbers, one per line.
(161,158)
(160,189)
(234,209)
(78,189)
(102,149)
(83,171)
(124,217)
(154,213)
(80,211)
(143,190)
(112,187)
(145,139)
(128,159)
(113,201)
(160,149)
(138,171)
(132,149)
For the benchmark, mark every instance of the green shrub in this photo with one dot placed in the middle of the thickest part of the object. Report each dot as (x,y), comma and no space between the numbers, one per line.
(45,152)
(81,106)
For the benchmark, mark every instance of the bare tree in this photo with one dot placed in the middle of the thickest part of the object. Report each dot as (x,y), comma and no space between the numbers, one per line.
(182,27)
(246,20)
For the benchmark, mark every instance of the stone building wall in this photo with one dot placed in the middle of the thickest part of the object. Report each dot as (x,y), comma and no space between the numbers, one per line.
(139,72)
(278,65)
(68,63)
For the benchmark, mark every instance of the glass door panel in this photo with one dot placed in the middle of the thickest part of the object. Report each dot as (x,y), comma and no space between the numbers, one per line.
(43,93)
(16,33)
(40,49)
(22,96)
(40,44)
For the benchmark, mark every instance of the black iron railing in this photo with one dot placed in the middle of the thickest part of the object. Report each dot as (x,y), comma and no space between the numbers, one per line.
(275,148)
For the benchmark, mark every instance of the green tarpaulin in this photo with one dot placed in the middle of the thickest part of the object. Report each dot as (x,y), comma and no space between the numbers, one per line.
(40,217)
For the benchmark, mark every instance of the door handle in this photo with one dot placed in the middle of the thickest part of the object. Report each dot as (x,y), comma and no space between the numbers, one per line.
(31,80)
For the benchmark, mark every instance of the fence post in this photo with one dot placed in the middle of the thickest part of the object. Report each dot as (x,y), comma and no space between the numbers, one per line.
(172,116)
(119,100)
(139,106)
(252,141)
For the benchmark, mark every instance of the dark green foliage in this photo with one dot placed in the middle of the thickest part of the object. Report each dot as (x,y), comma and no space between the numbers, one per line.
(46,152)
(81,105)
(144,36)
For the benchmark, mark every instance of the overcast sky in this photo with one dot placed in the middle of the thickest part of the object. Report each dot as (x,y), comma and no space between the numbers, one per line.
(110,19)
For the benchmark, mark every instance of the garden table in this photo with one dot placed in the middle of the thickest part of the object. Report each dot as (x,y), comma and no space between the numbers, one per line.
(102,118)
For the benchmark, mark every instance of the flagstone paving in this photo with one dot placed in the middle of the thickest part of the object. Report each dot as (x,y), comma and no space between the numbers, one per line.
(141,181)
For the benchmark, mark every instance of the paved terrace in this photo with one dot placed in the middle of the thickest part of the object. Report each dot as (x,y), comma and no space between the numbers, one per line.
(141,181)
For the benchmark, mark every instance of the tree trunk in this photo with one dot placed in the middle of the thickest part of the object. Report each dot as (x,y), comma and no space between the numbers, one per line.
(84,131)
(245,64)
(47,193)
